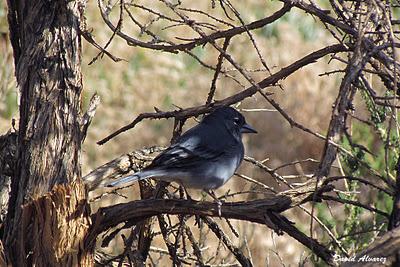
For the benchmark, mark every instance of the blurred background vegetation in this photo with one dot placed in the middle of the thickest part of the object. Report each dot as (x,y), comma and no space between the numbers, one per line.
(147,79)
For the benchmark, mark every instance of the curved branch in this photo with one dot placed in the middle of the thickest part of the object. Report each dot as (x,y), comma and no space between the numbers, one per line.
(361,180)
(175,48)
(269,81)
(264,211)
(356,203)
(324,17)
(259,211)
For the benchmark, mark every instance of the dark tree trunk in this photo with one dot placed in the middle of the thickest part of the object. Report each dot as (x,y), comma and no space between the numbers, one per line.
(46,224)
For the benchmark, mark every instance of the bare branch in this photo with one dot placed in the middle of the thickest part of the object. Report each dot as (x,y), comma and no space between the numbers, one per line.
(195,111)
(263,211)
(175,48)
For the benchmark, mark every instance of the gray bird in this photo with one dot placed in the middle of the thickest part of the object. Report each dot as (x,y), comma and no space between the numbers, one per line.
(204,157)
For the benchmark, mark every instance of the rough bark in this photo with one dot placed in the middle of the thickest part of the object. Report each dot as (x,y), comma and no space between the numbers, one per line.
(42,228)
(8,150)
(52,228)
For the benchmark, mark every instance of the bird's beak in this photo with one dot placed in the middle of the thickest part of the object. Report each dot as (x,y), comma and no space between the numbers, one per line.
(247,129)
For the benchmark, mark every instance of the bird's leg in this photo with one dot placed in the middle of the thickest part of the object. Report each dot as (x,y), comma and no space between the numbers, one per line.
(213,196)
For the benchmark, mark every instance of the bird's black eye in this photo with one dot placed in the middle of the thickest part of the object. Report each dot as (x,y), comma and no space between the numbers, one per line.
(236,120)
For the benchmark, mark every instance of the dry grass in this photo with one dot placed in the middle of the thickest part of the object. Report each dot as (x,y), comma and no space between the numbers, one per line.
(147,79)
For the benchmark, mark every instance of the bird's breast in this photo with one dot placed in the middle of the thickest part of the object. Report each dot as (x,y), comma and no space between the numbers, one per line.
(219,172)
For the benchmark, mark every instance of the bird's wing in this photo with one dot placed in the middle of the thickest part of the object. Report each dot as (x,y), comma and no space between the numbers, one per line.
(200,143)
(181,156)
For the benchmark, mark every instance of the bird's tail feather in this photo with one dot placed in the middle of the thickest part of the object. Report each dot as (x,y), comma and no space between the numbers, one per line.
(136,177)
(127,179)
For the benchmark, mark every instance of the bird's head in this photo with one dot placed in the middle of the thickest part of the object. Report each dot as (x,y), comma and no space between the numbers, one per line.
(231,119)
